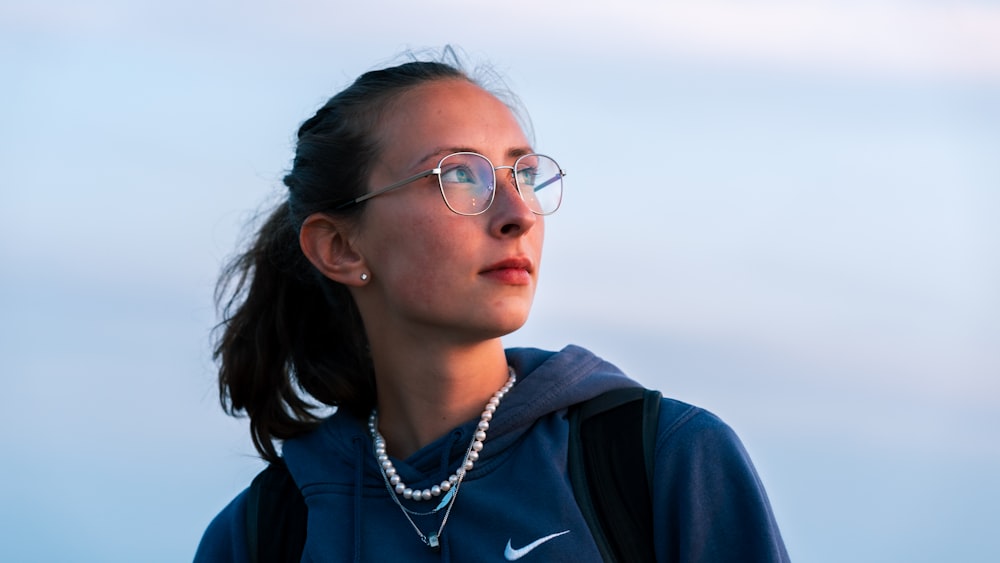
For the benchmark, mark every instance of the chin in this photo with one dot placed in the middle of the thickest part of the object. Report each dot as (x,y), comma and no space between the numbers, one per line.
(513,325)
(498,327)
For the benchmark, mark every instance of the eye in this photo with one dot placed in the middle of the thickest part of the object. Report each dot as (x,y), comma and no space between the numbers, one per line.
(459,174)
(527,176)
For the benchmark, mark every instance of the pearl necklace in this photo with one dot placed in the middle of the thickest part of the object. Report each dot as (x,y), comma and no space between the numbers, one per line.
(448,487)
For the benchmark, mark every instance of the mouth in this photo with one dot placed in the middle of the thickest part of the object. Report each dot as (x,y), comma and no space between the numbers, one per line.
(512,271)
(510,264)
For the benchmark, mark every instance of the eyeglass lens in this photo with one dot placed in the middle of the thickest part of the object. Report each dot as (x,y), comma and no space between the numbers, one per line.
(468,182)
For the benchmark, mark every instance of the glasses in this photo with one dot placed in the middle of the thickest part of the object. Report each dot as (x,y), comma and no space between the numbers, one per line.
(468,183)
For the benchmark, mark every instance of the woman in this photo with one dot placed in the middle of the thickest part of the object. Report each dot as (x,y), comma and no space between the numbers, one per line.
(409,244)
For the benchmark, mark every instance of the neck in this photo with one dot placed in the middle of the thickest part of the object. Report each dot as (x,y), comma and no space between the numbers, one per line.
(426,391)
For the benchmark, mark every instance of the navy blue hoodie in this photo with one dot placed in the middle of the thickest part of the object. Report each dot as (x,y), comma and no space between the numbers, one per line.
(517,503)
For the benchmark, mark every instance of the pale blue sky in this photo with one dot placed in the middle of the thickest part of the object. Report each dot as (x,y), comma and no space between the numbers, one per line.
(781,211)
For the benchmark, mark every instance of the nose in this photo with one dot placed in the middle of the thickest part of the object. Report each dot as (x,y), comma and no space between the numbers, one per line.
(509,214)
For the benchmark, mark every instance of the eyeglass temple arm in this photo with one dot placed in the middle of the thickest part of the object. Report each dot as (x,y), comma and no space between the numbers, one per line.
(395,186)
(549,181)
(537,186)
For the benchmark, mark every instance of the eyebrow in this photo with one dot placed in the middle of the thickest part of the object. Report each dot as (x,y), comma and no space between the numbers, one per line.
(441,152)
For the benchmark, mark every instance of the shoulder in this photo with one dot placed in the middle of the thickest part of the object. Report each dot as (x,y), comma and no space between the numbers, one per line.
(225,538)
(707,494)
(684,424)
(694,446)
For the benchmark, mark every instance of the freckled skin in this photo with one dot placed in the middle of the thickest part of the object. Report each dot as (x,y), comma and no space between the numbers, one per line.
(426,262)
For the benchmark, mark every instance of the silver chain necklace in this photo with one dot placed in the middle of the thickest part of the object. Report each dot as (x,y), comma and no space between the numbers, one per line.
(448,487)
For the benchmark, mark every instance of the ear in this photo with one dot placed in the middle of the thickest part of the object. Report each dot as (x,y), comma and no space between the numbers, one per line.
(326,242)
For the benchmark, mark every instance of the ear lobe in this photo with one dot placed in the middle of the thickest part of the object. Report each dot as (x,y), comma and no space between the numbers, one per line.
(325,242)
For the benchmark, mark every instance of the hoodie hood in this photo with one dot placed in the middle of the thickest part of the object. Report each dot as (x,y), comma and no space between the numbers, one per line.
(551,382)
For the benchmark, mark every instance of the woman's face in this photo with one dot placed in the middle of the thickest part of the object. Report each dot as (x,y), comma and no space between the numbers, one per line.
(463,277)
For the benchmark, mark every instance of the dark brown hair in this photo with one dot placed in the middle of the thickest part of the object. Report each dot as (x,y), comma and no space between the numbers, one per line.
(291,340)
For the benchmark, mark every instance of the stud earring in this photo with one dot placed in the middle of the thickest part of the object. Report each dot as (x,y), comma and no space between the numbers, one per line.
(364,276)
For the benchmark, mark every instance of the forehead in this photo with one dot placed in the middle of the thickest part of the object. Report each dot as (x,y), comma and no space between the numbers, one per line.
(449,113)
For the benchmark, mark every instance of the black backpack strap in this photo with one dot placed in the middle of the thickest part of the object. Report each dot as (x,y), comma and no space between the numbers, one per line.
(276,517)
(612,442)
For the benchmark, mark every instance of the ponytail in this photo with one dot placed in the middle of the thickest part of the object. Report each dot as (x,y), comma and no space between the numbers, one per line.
(287,334)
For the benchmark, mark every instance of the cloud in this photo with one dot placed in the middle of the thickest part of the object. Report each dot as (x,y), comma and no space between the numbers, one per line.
(944,40)
(911,38)
(923,39)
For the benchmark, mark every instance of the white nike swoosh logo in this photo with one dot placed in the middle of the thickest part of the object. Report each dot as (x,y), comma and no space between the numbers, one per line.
(512,554)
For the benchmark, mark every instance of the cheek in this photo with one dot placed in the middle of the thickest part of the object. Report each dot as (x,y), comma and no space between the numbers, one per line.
(417,257)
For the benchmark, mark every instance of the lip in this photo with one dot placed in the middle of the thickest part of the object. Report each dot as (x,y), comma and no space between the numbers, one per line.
(512,271)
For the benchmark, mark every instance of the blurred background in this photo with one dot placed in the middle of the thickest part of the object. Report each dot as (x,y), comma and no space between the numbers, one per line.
(784,212)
